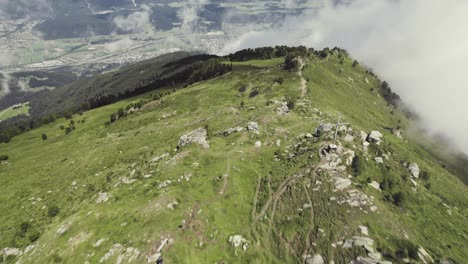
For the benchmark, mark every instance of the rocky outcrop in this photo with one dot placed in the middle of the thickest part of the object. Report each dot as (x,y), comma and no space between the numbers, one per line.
(368,260)
(397,132)
(325,127)
(331,153)
(342,183)
(231,130)
(172,205)
(63,229)
(253,127)
(364,230)
(363,136)
(239,241)
(357,198)
(159,158)
(315,259)
(197,136)
(414,169)
(349,138)
(424,256)
(349,155)
(373,256)
(102,197)
(7,252)
(375,185)
(125,255)
(375,137)
(283,109)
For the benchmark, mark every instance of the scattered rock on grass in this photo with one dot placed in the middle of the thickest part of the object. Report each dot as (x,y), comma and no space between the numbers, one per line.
(375,185)
(375,137)
(348,138)
(414,169)
(158,158)
(63,229)
(239,241)
(315,259)
(364,230)
(102,197)
(325,127)
(7,252)
(253,127)
(197,136)
(424,256)
(283,109)
(172,205)
(342,183)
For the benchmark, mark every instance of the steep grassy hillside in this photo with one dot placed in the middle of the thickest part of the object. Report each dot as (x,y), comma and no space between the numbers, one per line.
(265,188)
(14,111)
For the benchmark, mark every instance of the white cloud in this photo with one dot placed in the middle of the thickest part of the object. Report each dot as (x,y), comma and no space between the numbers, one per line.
(419,46)
(189,14)
(7,59)
(135,22)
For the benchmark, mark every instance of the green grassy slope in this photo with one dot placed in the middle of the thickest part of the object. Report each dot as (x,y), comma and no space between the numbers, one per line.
(10,112)
(232,188)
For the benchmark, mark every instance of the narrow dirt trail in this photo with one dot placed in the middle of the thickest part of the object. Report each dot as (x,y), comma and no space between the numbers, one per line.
(257,190)
(303,86)
(312,221)
(226,175)
(275,196)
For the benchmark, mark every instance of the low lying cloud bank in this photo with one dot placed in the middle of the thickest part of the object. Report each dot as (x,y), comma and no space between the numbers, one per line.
(420,47)
(135,22)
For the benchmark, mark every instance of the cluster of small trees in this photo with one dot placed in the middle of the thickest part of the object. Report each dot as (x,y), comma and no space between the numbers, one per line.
(69,128)
(387,93)
(208,69)
(266,53)
(290,62)
(254,93)
(124,111)
(291,103)
(26,229)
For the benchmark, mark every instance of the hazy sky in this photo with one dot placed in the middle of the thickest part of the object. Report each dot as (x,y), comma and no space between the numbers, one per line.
(419,46)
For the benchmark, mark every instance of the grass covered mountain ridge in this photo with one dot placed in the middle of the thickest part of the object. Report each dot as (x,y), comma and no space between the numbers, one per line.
(244,166)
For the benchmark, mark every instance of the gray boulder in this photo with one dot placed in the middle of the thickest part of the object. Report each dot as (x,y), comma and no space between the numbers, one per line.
(424,256)
(6,252)
(316,259)
(414,169)
(197,136)
(378,160)
(253,127)
(375,137)
(325,127)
